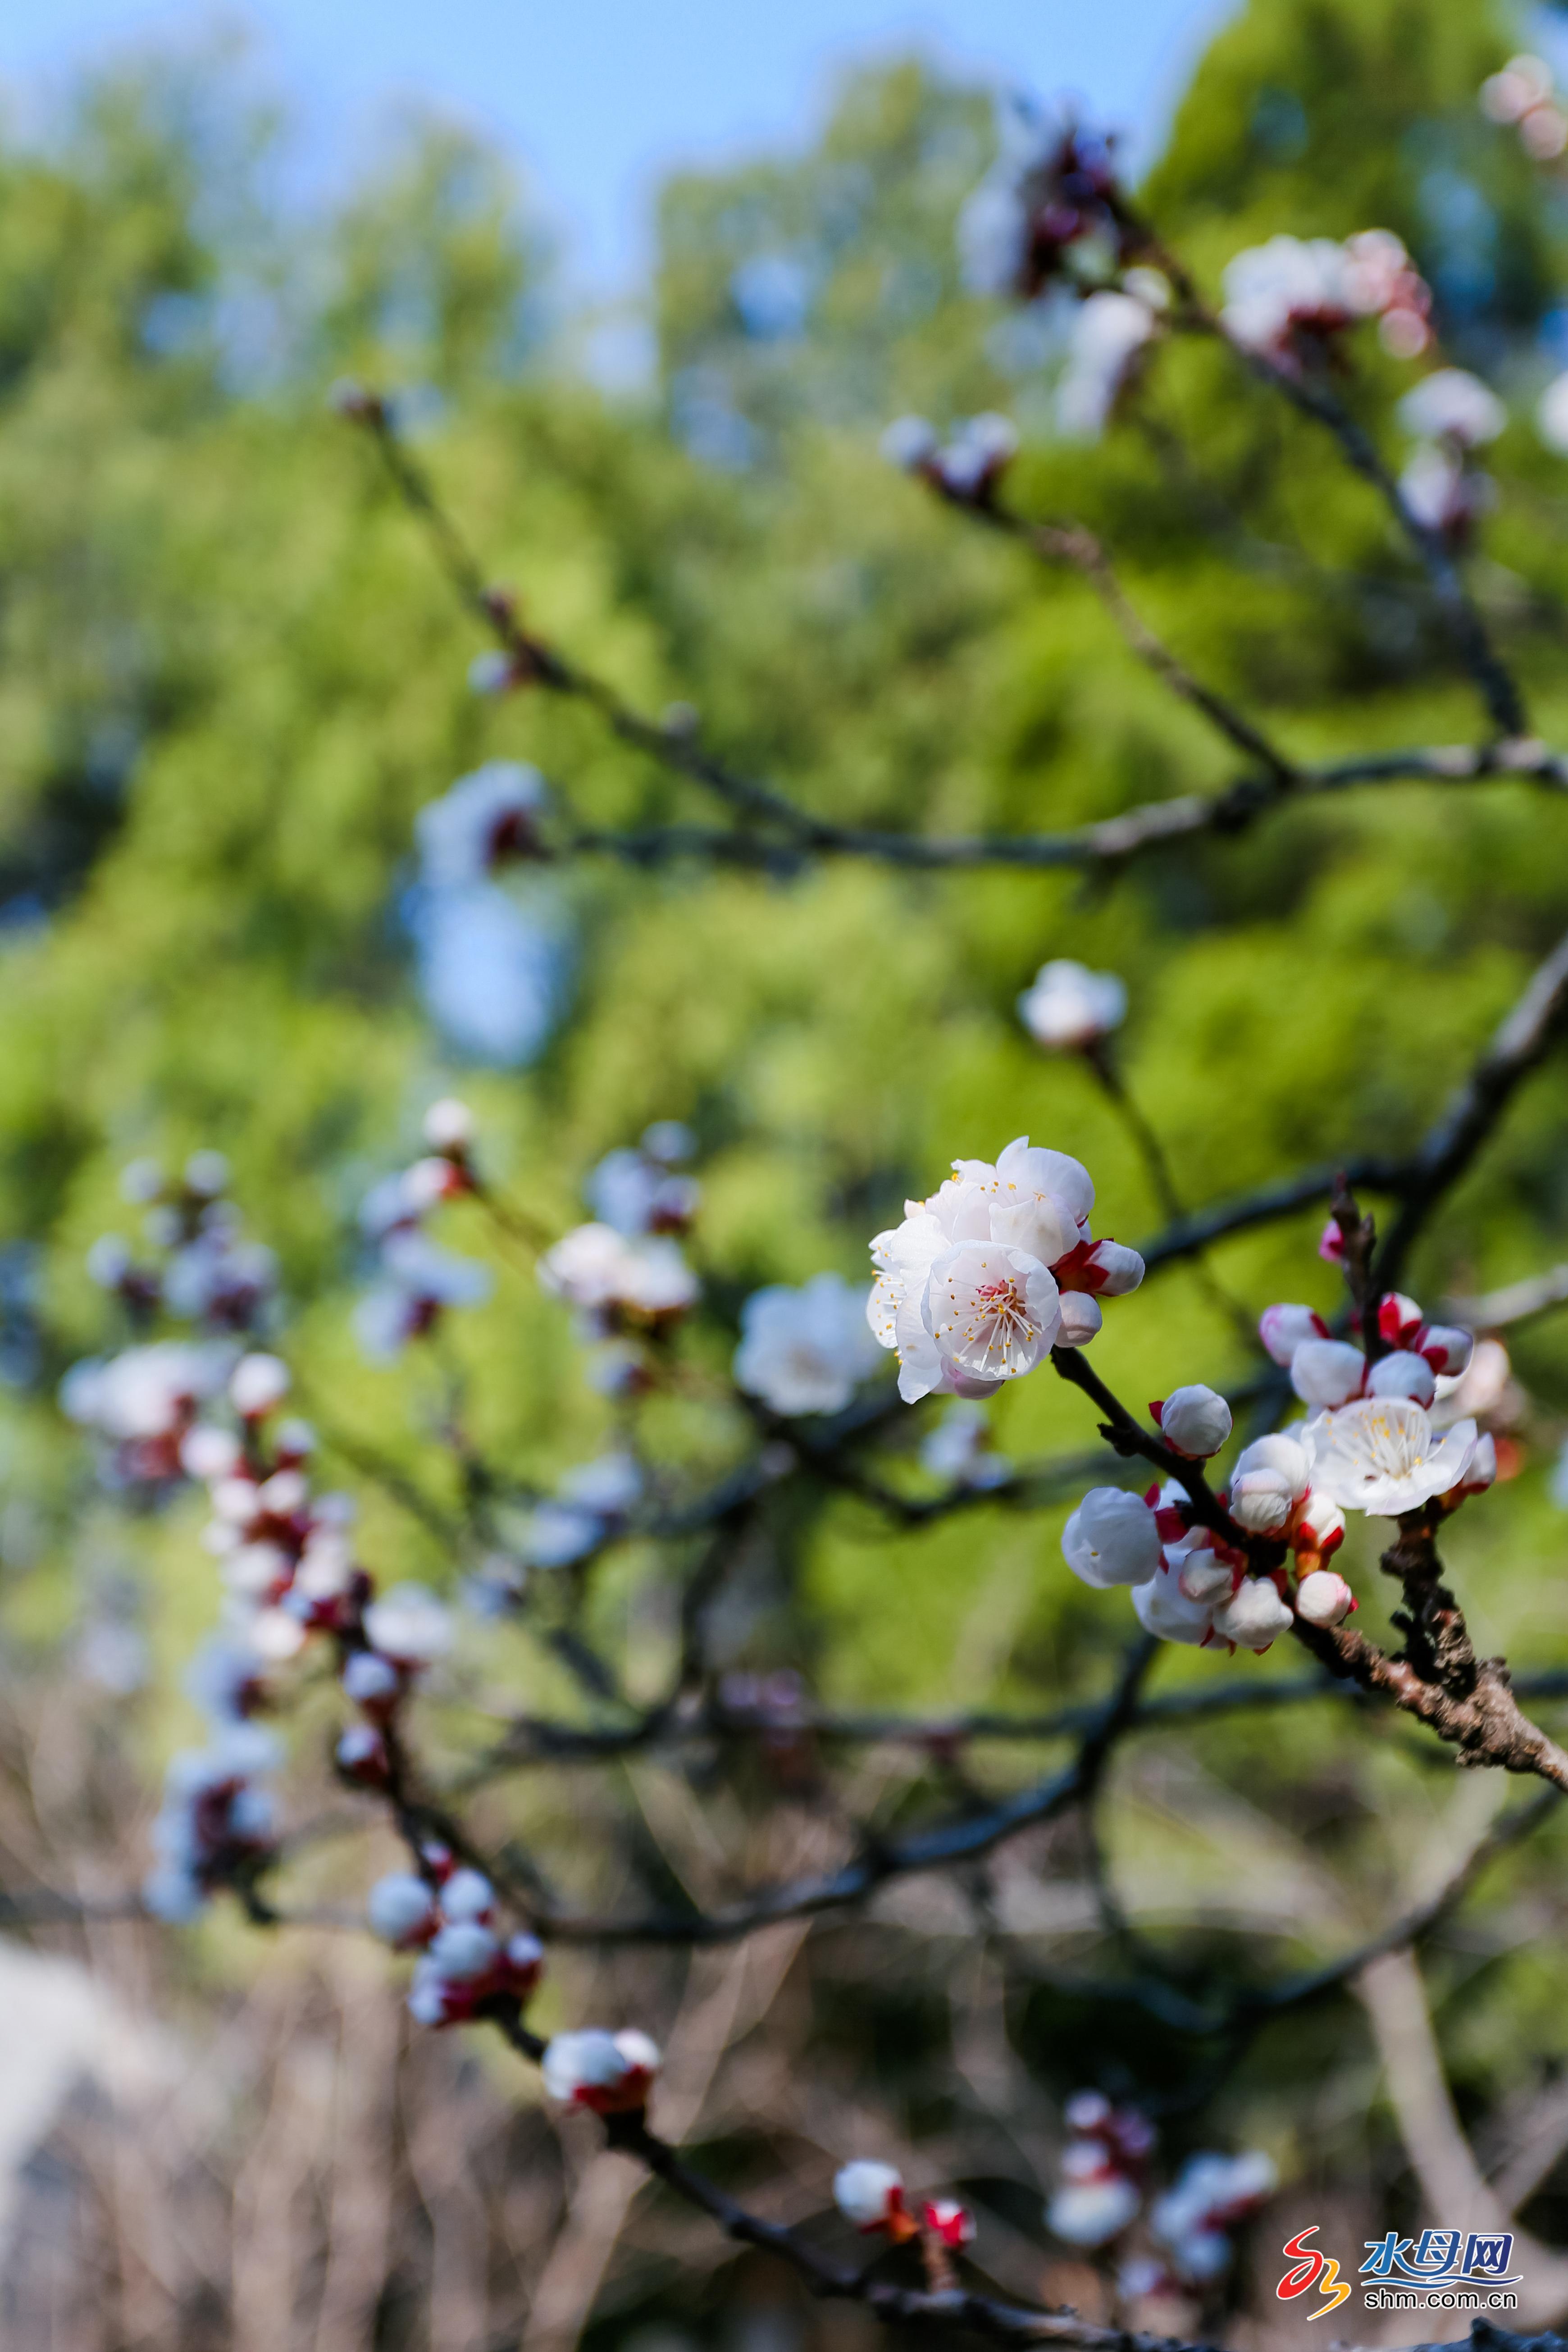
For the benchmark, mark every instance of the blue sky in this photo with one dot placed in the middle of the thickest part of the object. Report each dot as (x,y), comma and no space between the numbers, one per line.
(598,99)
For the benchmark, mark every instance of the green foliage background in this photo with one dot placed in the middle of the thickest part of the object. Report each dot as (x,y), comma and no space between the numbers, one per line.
(229,676)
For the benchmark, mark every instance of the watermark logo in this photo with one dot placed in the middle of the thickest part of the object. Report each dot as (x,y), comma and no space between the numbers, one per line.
(1434,2269)
(1312,2268)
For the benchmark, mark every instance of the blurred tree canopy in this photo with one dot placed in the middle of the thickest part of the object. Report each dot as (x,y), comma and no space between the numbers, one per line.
(230,675)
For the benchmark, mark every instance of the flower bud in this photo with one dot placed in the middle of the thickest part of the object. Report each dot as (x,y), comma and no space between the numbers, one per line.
(1402,1375)
(609,2073)
(1281,1452)
(450,1126)
(1260,1501)
(1283,1329)
(1111,1539)
(948,2221)
(1202,1575)
(1194,1421)
(524,1962)
(464,1950)
(1323,1597)
(1327,1371)
(401,1909)
(361,1755)
(1319,1524)
(258,1383)
(468,1894)
(370,1680)
(1398,1319)
(1253,1616)
(909,443)
(869,2194)
(210,1453)
(1081,1319)
(1445,1348)
(1092,2212)
(1111,1269)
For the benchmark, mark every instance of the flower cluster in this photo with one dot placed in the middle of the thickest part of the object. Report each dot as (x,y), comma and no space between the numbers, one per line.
(998,1268)
(1048,212)
(1451,412)
(486,820)
(1523,94)
(1067,1008)
(418,1280)
(449,1917)
(609,2073)
(1103,2189)
(624,1273)
(1327,1373)
(216,1823)
(871,2195)
(1196,2220)
(1289,299)
(1103,2165)
(966,466)
(204,1273)
(804,1350)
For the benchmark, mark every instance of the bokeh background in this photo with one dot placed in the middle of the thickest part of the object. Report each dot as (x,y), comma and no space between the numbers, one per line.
(648,287)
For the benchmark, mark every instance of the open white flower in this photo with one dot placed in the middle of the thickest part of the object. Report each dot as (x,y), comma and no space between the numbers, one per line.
(804,1350)
(1068,1005)
(1383,1456)
(1107,333)
(1452,404)
(969,1292)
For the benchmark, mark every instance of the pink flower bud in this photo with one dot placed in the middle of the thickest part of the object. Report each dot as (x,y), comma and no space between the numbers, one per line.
(1398,1319)
(1319,1524)
(1331,1247)
(1111,1539)
(1327,1371)
(1194,1421)
(1323,1597)
(950,2221)
(1445,1348)
(1402,1375)
(1283,1329)
(1112,1269)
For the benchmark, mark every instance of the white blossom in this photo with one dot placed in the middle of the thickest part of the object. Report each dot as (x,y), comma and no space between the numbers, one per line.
(260,1384)
(1107,331)
(557,1534)
(1092,2212)
(957,1449)
(449,1125)
(468,1894)
(606,1274)
(1383,1456)
(868,2193)
(1271,1478)
(485,818)
(966,1295)
(1067,1007)
(1193,1421)
(805,1350)
(145,1392)
(1212,2195)
(409,1625)
(1454,405)
(1111,1539)
(1551,415)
